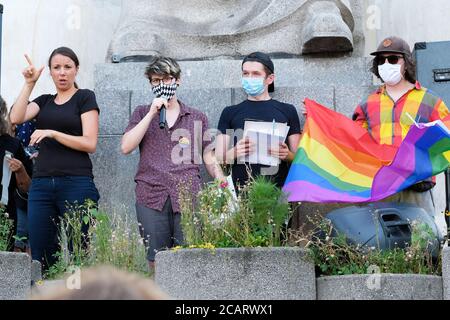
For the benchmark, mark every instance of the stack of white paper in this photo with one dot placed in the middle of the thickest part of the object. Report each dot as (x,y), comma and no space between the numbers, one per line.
(6,178)
(265,135)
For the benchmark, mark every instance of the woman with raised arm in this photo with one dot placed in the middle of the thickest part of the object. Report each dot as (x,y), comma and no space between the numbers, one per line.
(66,132)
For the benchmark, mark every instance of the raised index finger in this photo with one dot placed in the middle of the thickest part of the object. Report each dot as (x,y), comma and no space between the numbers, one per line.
(28,60)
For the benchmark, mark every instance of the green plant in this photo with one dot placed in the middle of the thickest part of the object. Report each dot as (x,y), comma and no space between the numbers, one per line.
(6,228)
(257,219)
(89,237)
(333,255)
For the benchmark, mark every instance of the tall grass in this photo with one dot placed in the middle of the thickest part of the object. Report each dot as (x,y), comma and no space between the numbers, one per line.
(89,237)
(334,255)
(258,219)
(6,229)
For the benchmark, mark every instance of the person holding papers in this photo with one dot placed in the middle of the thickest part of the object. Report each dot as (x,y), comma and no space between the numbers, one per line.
(260,135)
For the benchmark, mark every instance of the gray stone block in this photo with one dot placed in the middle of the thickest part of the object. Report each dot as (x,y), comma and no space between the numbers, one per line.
(236,274)
(114,176)
(140,97)
(114,111)
(391,287)
(209,101)
(222,74)
(15,276)
(446,271)
(348,97)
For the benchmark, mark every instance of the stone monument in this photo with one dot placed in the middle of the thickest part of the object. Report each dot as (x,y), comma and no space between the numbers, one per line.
(203,29)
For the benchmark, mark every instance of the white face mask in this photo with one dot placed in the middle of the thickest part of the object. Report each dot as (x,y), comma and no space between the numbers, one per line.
(390,73)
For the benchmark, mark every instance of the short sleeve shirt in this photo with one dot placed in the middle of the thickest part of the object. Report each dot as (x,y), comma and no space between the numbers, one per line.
(169,158)
(54,158)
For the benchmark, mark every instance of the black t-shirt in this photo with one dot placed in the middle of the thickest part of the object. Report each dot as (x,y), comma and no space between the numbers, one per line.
(54,158)
(234,117)
(8,143)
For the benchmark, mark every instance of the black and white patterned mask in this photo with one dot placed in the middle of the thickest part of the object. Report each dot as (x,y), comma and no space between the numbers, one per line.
(166,91)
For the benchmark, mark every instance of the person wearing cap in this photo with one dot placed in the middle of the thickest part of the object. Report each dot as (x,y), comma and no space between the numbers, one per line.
(390,111)
(258,82)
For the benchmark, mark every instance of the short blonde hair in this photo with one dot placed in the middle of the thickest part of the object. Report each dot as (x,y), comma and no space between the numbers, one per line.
(163,66)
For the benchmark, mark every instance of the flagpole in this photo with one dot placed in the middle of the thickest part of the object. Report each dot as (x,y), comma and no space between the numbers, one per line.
(447,197)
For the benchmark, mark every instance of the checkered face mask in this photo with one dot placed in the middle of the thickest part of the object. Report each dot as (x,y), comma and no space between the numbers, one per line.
(166,91)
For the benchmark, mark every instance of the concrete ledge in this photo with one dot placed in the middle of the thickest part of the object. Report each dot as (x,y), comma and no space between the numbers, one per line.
(236,274)
(385,287)
(15,276)
(446,271)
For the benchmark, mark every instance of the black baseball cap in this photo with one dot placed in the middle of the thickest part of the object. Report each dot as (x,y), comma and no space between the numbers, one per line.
(265,60)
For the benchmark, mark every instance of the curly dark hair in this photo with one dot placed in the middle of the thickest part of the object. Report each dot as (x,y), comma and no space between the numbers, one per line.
(410,68)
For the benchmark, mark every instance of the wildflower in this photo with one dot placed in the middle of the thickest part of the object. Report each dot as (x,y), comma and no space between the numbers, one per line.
(224,185)
(175,249)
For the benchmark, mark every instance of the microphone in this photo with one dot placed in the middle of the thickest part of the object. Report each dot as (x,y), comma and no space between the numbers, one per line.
(162,116)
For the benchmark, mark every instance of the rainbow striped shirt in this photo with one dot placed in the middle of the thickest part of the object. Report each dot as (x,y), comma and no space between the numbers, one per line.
(388,122)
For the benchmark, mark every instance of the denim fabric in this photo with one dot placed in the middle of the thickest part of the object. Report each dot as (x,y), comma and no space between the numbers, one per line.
(22,229)
(47,203)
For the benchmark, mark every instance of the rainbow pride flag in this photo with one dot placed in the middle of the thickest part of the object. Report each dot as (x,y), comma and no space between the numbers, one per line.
(338,161)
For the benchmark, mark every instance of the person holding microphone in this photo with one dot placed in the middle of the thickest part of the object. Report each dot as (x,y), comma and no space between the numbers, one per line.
(159,129)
